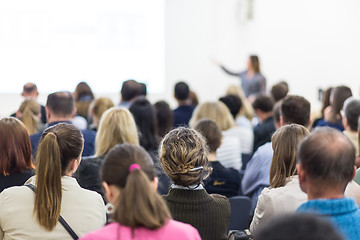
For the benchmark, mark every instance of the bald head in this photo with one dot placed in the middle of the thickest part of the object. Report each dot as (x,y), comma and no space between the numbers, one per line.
(327,156)
(61,104)
(30,90)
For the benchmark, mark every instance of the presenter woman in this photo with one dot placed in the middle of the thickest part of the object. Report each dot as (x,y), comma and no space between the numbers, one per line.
(252,81)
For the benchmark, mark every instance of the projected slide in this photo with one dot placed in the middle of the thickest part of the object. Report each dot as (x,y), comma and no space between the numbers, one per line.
(57,44)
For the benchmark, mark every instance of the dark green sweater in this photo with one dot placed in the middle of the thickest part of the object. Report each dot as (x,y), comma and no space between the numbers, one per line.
(209,214)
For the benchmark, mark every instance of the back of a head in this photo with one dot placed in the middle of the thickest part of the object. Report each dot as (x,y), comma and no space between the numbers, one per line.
(263,103)
(15,147)
(61,104)
(83,93)
(117,126)
(183,155)
(164,116)
(130,168)
(339,95)
(30,90)
(352,113)
(327,156)
(279,91)
(325,98)
(211,132)
(233,102)
(216,111)
(30,111)
(145,118)
(129,90)
(285,142)
(247,109)
(295,109)
(181,91)
(142,89)
(59,145)
(100,105)
(297,227)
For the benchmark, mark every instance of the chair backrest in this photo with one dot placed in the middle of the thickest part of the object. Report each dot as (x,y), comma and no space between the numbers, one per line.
(240,213)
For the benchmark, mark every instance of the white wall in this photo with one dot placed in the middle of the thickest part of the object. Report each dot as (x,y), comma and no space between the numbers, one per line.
(310,44)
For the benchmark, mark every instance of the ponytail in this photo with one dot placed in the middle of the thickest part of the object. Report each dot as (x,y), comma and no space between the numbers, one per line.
(30,121)
(48,182)
(141,203)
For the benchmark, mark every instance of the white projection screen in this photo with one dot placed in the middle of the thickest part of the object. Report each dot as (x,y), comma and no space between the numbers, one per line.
(57,44)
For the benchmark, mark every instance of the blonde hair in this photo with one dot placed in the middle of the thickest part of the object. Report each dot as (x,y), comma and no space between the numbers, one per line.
(285,142)
(117,125)
(183,155)
(216,111)
(98,107)
(246,109)
(30,110)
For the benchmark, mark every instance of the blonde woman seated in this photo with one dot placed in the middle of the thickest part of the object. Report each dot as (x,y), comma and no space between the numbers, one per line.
(237,140)
(34,214)
(97,108)
(30,113)
(138,212)
(284,194)
(117,126)
(183,155)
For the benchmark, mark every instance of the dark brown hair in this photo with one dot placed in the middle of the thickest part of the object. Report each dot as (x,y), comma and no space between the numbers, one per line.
(339,95)
(165,118)
(255,63)
(59,145)
(327,156)
(138,204)
(279,91)
(61,103)
(295,109)
(15,147)
(83,92)
(211,132)
(182,150)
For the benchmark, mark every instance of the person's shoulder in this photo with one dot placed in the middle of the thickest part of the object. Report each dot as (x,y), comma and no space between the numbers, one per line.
(107,232)
(186,230)
(88,133)
(220,199)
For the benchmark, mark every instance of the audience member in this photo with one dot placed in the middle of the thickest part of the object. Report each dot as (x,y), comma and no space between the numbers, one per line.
(146,122)
(224,181)
(294,109)
(183,155)
(29,113)
(97,108)
(60,107)
(83,97)
(138,212)
(332,116)
(16,164)
(325,99)
(279,91)
(237,140)
(263,106)
(247,110)
(326,166)
(350,118)
(184,111)
(234,103)
(117,126)
(284,194)
(129,91)
(30,91)
(27,214)
(298,227)
(193,98)
(165,118)
(142,90)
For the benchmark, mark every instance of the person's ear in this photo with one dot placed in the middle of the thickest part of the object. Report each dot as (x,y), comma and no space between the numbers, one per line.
(74,112)
(345,121)
(18,114)
(282,122)
(155,183)
(48,113)
(302,177)
(354,173)
(108,193)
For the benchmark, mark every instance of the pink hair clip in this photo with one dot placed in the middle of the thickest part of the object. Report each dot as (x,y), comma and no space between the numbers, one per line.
(134,166)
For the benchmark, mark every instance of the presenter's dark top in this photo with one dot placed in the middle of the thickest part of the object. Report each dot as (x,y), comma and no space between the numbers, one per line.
(89,140)
(182,115)
(15,179)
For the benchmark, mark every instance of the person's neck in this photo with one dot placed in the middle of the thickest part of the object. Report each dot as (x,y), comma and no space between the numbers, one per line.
(59,119)
(333,192)
(184,102)
(212,157)
(265,115)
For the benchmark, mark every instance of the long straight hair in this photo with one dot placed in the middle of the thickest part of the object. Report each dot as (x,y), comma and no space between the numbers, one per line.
(30,110)
(138,205)
(59,145)
(285,142)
